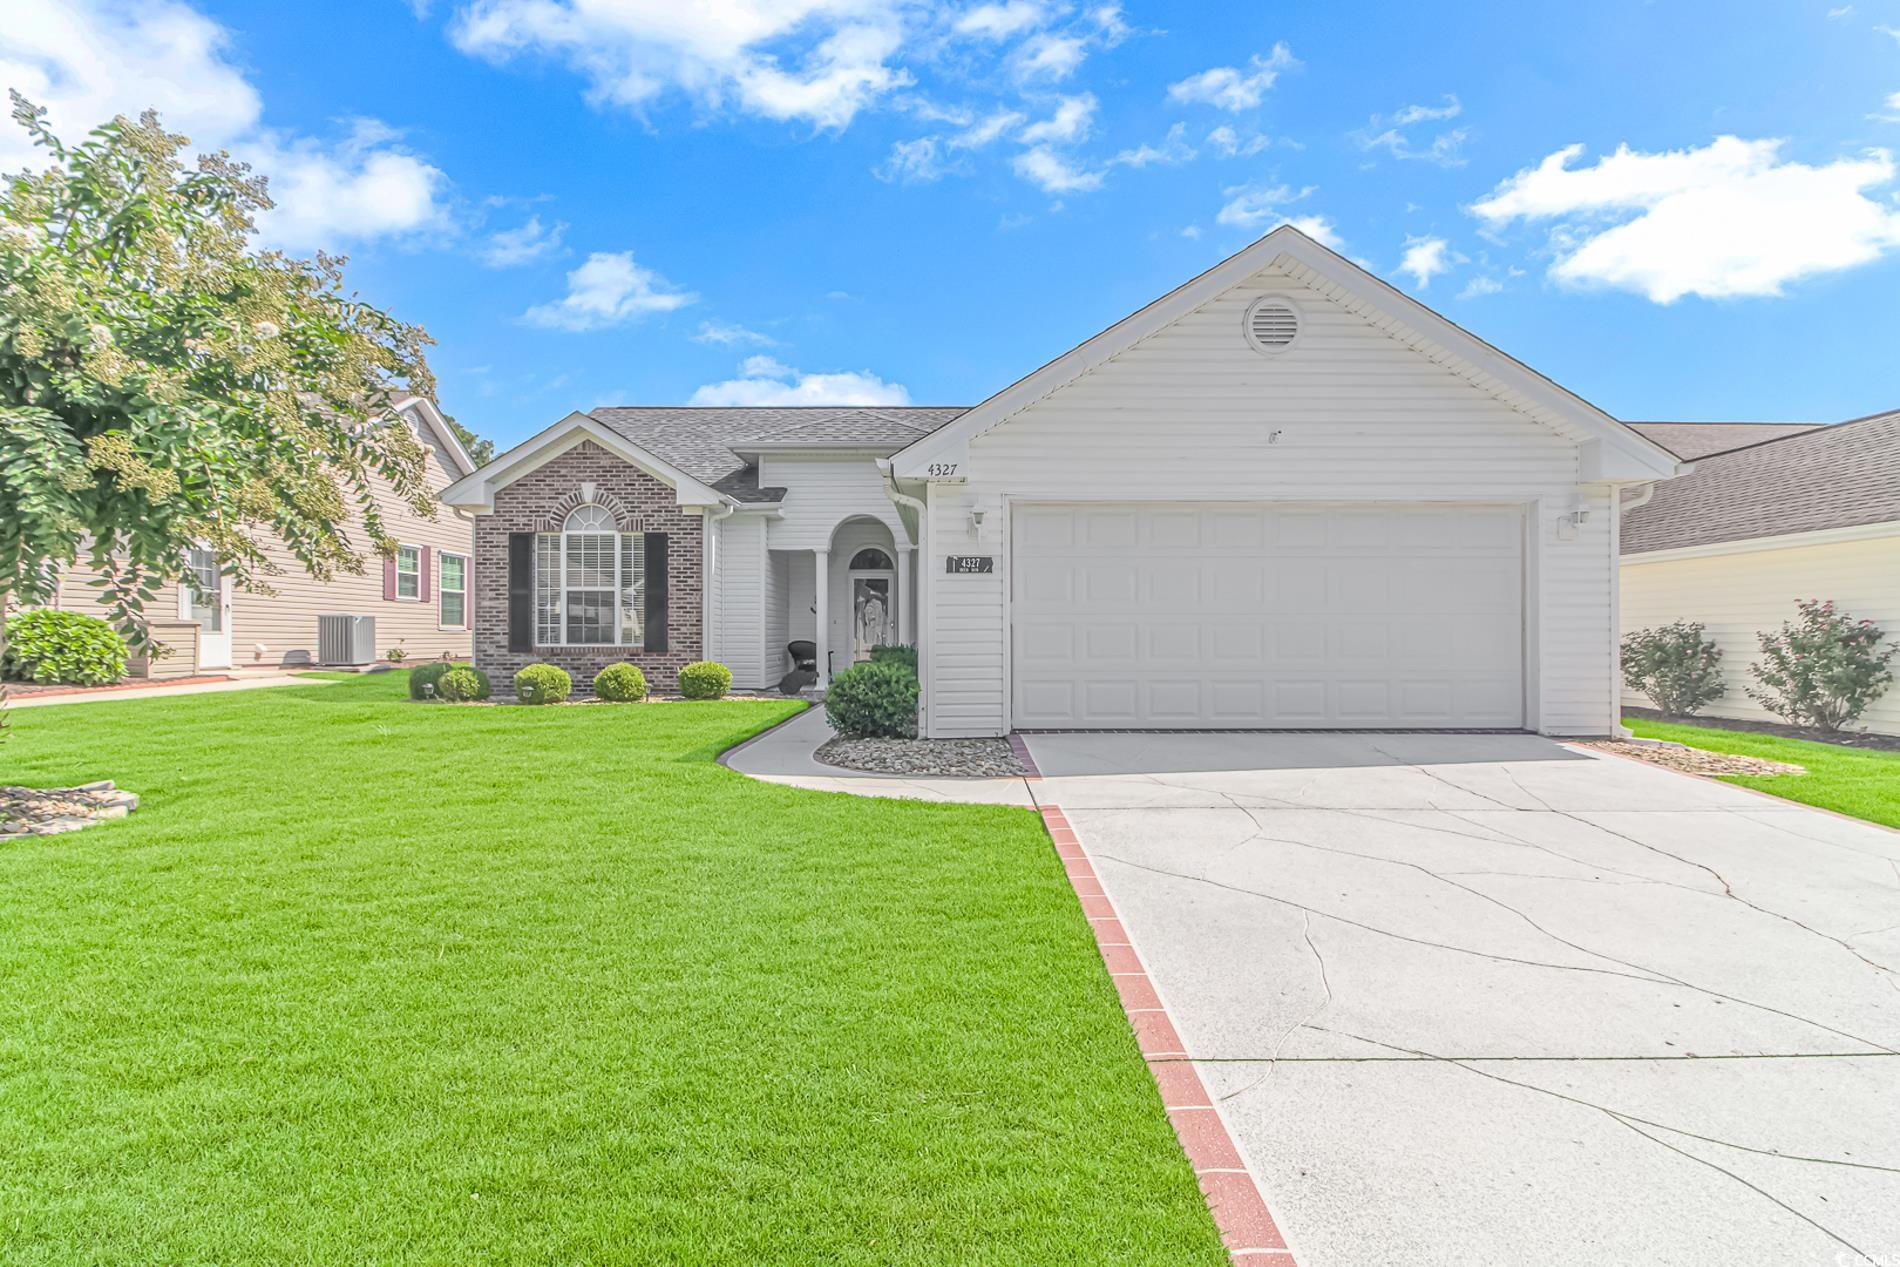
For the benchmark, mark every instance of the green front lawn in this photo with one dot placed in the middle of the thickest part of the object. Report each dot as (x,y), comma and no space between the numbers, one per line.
(1859,782)
(366,981)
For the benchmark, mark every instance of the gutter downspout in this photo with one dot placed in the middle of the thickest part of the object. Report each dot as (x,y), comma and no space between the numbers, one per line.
(710,582)
(902,499)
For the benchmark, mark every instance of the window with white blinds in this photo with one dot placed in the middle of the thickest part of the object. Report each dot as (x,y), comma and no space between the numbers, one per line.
(589,583)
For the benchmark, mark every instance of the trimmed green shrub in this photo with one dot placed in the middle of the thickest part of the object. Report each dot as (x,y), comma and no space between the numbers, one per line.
(543,684)
(428,675)
(462,683)
(876,699)
(621,683)
(1674,665)
(44,645)
(895,653)
(1824,669)
(705,679)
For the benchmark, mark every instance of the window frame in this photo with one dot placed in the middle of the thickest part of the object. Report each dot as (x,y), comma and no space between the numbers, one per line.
(442,590)
(553,604)
(414,574)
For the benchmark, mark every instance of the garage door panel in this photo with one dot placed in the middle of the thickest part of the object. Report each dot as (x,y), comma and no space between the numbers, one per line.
(1273,615)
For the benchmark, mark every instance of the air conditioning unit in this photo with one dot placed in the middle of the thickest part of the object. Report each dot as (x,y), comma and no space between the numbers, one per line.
(346,639)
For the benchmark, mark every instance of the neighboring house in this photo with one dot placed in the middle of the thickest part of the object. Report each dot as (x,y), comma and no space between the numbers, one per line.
(420,599)
(1283,495)
(1805,512)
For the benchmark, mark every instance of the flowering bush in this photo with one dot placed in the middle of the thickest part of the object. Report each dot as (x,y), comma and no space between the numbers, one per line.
(1674,665)
(1824,669)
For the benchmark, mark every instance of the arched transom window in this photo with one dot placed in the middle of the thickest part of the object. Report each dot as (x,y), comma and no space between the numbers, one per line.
(589,582)
(870,559)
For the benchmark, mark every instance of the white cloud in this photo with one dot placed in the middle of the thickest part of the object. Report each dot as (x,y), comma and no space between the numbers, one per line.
(608,290)
(1071,122)
(1228,144)
(1478,287)
(1425,258)
(1048,57)
(990,128)
(1233,90)
(1322,231)
(1731,218)
(1054,173)
(763,381)
(1000,21)
(524,244)
(1173,149)
(1388,132)
(1843,11)
(1250,206)
(1894,31)
(88,60)
(1191,232)
(915,162)
(1109,20)
(815,61)
(728,334)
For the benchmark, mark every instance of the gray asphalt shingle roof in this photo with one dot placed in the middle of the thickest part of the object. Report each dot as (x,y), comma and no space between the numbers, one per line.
(1836,476)
(700,441)
(1692,440)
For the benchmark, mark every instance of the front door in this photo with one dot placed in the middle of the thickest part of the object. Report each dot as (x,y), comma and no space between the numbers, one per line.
(873,617)
(204,598)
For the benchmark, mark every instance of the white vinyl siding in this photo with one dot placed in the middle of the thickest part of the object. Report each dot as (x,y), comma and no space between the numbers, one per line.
(1349,415)
(823,492)
(739,599)
(1736,596)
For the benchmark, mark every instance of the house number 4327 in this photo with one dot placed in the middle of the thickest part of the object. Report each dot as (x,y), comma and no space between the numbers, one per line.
(942,468)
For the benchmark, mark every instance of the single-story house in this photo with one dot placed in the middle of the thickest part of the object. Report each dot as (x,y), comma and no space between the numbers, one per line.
(418,600)
(1772,514)
(1283,495)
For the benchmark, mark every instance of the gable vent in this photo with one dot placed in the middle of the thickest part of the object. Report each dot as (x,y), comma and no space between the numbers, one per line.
(1272,325)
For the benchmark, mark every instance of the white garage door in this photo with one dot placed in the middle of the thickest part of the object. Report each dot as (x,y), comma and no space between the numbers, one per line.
(1157,616)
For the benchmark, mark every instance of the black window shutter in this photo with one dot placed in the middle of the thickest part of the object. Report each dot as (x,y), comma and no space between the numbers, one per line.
(656,591)
(521,591)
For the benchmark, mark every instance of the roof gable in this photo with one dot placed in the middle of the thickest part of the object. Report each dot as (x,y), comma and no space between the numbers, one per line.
(1611,451)
(477,491)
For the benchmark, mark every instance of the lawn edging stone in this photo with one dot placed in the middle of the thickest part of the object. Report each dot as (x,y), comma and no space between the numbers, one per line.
(28,811)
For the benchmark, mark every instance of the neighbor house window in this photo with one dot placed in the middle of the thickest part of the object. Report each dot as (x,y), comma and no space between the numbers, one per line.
(589,583)
(409,572)
(453,588)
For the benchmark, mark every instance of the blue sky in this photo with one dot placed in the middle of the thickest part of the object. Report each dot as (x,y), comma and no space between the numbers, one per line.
(626,201)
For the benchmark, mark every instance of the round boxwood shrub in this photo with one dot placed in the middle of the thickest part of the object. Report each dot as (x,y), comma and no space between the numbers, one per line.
(621,683)
(428,675)
(463,682)
(543,684)
(56,646)
(876,699)
(897,653)
(705,679)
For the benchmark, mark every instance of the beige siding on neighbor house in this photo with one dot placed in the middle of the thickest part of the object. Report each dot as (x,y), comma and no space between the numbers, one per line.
(280,628)
(1735,596)
(1350,414)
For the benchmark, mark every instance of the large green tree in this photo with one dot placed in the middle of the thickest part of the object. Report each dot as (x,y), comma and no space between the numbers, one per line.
(165,383)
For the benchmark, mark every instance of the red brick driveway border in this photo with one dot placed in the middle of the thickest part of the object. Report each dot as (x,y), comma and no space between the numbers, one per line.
(1239,1209)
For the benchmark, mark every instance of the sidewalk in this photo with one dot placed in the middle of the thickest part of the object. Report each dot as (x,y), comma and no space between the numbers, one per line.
(189,686)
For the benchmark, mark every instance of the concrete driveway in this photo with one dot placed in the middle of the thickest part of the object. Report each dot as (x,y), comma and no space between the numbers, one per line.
(1492,999)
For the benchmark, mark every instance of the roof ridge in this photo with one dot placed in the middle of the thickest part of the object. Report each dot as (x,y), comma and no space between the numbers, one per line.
(1820,428)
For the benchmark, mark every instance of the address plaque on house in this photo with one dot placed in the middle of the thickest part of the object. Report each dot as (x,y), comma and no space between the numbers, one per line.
(969,564)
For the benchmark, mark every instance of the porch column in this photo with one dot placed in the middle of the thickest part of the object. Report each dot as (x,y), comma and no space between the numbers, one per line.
(907,597)
(821,579)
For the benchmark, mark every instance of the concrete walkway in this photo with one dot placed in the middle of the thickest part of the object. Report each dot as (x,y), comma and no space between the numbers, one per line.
(1492,999)
(784,755)
(250,682)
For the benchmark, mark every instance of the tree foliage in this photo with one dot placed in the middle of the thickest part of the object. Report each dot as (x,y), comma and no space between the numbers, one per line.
(1822,669)
(164,383)
(1675,665)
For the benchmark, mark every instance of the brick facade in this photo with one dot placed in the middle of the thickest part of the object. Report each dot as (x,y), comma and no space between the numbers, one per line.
(536,503)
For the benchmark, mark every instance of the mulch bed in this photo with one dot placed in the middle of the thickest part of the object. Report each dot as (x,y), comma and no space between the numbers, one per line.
(1695,760)
(34,811)
(925,758)
(1841,739)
